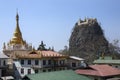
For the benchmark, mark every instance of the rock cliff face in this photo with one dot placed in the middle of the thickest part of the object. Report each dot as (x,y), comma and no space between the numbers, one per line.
(87,39)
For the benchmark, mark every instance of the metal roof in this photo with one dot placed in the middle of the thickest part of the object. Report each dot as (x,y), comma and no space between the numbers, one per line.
(76,58)
(106,62)
(99,70)
(37,54)
(8,78)
(57,75)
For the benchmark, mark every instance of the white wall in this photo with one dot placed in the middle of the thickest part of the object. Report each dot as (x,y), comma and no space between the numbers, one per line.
(25,71)
(26,66)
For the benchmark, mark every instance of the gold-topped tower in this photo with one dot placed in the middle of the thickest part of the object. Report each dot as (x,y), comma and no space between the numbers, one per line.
(16,43)
(17,36)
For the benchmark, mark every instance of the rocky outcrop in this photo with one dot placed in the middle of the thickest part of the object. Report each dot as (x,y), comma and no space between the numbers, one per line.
(87,39)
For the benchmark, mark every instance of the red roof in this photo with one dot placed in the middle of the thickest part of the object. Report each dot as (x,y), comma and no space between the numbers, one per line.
(38,54)
(50,54)
(99,70)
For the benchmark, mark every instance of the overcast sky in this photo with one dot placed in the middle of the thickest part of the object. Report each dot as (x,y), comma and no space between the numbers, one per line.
(52,20)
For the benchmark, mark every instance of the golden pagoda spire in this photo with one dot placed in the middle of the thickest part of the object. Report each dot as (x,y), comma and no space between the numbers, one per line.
(17,36)
(17,24)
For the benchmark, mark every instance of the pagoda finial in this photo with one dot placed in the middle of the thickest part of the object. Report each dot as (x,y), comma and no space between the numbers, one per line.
(17,19)
(17,30)
(4,46)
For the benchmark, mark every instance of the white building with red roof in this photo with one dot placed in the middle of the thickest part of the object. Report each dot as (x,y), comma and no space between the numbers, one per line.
(37,61)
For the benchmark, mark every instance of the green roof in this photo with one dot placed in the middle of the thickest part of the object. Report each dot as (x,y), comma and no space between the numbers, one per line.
(106,61)
(106,58)
(56,75)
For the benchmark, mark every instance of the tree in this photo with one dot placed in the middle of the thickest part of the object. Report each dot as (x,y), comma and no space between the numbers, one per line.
(65,51)
(114,48)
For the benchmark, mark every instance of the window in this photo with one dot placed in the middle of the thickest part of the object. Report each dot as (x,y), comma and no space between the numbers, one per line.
(44,70)
(110,65)
(29,62)
(73,64)
(49,62)
(36,70)
(44,62)
(116,66)
(22,70)
(60,68)
(0,62)
(29,71)
(62,61)
(4,63)
(55,69)
(56,63)
(49,70)
(22,62)
(36,62)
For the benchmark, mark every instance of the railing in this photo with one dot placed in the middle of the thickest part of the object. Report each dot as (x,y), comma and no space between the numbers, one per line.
(36,66)
(54,65)
(60,65)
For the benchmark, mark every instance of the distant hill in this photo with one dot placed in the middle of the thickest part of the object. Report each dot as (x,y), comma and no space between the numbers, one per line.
(87,40)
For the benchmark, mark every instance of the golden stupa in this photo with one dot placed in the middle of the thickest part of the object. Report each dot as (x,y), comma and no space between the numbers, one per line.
(17,36)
